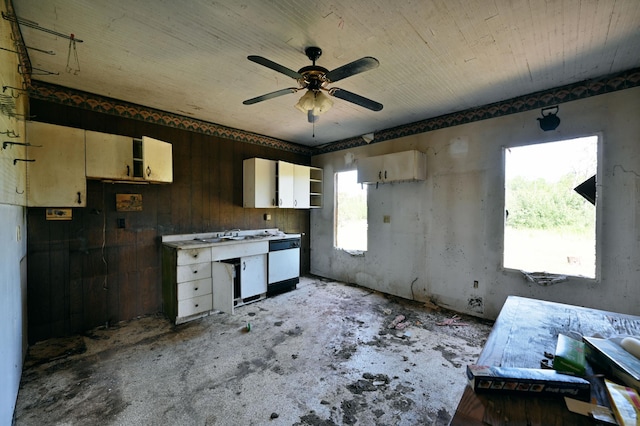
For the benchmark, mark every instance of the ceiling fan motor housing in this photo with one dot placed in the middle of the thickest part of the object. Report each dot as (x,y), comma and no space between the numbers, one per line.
(313,53)
(313,77)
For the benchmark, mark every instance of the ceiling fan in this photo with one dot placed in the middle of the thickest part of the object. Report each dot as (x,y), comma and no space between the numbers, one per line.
(315,80)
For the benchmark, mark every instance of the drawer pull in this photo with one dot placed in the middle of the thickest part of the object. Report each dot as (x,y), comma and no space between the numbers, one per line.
(195,289)
(195,272)
(197,305)
(195,256)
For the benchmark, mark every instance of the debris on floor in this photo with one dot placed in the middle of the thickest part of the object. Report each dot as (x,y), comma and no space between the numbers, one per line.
(353,369)
(451,321)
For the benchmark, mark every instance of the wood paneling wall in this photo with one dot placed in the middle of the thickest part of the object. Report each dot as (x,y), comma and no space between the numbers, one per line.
(87,272)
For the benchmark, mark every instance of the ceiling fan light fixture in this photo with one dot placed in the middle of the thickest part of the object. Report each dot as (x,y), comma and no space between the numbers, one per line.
(314,103)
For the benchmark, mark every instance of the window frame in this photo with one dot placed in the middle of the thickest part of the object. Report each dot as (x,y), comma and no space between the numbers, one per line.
(600,200)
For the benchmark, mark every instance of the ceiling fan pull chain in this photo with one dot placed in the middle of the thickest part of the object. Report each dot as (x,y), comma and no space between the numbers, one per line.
(72,46)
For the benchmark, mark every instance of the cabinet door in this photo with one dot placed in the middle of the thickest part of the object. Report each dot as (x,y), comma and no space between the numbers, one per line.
(222,275)
(259,183)
(285,184)
(55,173)
(157,161)
(253,275)
(301,186)
(108,156)
(370,169)
(404,166)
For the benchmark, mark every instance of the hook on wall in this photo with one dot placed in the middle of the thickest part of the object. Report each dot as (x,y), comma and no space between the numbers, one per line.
(21,71)
(10,133)
(14,90)
(15,160)
(6,143)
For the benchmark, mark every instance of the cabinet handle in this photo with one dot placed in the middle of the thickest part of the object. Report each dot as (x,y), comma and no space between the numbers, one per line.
(295,203)
(380,174)
(128,170)
(280,201)
(148,171)
(244,266)
(385,175)
(273,201)
(79,198)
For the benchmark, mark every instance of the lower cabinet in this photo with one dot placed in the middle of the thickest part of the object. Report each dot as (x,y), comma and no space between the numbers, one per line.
(186,283)
(197,281)
(219,277)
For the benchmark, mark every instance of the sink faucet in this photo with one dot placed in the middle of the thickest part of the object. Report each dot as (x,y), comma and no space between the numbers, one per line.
(230,233)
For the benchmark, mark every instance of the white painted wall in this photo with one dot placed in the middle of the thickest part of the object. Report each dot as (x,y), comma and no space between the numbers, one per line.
(13,233)
(447,231)
(13,284)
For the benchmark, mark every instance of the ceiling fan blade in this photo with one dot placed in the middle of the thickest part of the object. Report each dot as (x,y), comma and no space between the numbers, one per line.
(276,67)
(356,67)
(271,95)
(355,99)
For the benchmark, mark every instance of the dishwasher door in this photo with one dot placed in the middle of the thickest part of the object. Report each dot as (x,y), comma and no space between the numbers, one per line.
(284,265)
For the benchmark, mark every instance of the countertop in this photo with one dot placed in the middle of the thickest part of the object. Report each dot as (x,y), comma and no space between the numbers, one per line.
(210,239)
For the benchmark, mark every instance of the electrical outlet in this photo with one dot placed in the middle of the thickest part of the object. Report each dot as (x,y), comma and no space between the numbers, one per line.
(386,218)
(475,284)
(267,216)
(121,223)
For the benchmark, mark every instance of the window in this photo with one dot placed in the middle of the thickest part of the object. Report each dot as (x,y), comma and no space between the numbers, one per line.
(350,212)
(549,227)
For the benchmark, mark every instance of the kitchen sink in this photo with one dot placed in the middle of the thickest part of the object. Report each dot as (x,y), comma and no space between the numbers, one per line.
(208,240)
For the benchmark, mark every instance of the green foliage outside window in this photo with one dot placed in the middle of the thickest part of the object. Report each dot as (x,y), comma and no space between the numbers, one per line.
(539,204)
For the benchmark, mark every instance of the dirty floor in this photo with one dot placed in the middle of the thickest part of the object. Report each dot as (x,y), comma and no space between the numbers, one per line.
(323,354)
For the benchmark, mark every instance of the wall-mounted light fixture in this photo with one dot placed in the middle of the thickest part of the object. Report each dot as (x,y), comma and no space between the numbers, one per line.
(368,138)
(549,120)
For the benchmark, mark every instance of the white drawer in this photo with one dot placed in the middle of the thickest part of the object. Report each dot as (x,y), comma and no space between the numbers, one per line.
(195,255)
(193,272)
(194,288)
(195,305)
(231,251)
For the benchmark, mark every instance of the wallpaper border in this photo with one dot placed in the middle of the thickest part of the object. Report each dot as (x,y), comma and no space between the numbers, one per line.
(584,89)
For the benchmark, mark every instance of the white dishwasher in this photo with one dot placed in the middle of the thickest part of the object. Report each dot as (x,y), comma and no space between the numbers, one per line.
(284,265)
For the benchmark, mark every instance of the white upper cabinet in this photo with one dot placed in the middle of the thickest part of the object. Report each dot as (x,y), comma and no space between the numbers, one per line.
(55,166)
(370,169)
(395,167)
(259,183)
(271,183)
(286,179)
(108,156)
(114,157)
(157,160)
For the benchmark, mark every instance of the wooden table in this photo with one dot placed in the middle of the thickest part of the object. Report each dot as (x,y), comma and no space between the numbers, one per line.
(523,331)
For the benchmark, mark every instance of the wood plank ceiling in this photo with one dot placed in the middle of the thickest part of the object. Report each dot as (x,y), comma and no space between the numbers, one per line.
(436,56)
